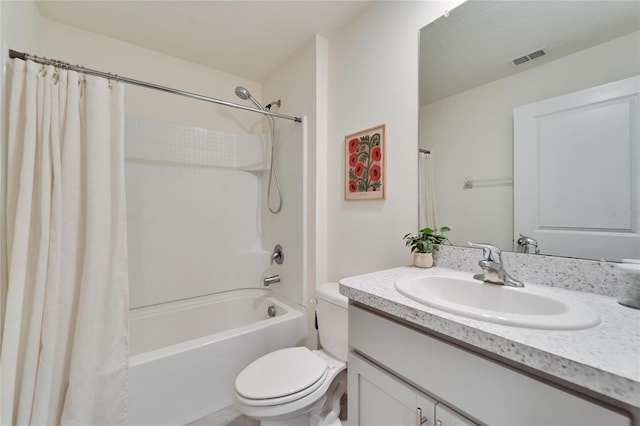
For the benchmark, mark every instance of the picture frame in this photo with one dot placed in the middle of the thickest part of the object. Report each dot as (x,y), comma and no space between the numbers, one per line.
(365,164)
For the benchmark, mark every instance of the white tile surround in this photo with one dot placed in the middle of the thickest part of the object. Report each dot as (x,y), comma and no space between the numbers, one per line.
(603,359)
(193,210)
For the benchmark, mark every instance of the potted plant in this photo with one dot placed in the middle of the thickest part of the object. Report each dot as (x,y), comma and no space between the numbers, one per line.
(423,244)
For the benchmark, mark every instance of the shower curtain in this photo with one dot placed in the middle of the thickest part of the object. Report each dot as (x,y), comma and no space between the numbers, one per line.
(64,349)
(428,216)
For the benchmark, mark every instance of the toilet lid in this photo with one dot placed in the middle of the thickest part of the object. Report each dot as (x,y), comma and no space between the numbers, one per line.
(280,373)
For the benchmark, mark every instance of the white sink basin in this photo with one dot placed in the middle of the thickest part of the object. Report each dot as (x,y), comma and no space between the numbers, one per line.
(530,307)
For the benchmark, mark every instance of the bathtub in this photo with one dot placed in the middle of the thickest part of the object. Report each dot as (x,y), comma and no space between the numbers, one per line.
(185,355)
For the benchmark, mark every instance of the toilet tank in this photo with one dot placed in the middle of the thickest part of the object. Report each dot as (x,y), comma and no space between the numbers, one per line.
(332,320)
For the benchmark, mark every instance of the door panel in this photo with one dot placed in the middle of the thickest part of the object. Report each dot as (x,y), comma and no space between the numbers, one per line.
(576,177)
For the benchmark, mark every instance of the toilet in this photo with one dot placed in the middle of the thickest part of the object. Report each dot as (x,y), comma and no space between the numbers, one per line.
(297,386)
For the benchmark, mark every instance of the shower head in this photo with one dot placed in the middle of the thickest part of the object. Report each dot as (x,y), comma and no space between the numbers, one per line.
(243,93)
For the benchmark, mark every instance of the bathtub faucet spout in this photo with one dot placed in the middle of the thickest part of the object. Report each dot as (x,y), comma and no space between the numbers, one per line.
(271,280)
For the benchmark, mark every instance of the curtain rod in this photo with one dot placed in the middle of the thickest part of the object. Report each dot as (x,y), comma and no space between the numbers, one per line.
(116,77)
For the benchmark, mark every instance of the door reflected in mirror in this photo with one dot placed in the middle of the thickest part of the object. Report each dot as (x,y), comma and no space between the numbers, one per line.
(487,59)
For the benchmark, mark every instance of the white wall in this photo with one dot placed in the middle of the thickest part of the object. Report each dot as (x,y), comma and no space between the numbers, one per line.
(372,75)
(19,25)
(470,134)
(373,79)
(106,54)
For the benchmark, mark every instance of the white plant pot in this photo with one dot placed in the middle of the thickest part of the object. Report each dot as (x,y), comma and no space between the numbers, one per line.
(423,260)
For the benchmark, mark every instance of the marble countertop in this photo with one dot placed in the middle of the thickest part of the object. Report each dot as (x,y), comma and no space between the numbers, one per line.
(604,358)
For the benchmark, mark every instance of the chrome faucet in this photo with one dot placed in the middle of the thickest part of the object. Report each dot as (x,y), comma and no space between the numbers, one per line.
(527,245)
(271,280)
(493,268)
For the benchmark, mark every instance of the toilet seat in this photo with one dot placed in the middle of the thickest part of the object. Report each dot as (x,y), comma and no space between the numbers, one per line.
(294,404)
(281,376)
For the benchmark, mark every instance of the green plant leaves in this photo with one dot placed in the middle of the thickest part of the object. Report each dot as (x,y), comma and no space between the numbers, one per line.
(426,239)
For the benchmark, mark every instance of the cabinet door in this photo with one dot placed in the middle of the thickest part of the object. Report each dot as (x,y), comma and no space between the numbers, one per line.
(445,416)
(378,399)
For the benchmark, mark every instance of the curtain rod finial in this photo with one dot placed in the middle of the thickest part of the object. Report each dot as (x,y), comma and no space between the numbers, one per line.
(19,55)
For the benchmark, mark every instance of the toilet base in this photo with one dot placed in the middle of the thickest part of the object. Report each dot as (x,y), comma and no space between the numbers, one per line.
(295,421)
(324,413)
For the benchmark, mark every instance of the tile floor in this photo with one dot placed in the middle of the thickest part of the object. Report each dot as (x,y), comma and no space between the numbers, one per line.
(226,417)
(229,416)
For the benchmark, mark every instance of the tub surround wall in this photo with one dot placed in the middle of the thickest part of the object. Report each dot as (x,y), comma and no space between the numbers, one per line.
(301,85)
(285,228)
(193,200)
(591,276)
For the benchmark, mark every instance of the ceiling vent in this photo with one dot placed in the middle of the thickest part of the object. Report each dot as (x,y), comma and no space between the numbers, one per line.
(529,57)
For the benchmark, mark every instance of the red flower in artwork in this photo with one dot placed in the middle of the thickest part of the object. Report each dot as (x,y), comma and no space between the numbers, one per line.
(376,154)
(353,144)
(364,163)
(375,173)
(353,160)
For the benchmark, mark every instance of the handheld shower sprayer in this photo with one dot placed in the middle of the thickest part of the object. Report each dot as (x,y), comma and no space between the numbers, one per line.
(244,94)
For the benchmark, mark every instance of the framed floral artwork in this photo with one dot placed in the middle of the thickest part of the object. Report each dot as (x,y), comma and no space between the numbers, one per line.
(365,164)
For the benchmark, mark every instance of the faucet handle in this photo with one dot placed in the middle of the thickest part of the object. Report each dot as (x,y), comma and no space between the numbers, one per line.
(491,253)
(277,255)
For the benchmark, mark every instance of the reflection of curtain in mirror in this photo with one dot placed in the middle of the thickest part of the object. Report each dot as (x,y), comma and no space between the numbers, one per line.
(428,211)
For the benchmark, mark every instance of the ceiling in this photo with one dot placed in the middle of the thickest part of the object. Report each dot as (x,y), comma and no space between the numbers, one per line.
(475,44)
(250,39)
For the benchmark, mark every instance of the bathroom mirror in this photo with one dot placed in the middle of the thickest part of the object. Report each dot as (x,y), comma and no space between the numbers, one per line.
(486,58)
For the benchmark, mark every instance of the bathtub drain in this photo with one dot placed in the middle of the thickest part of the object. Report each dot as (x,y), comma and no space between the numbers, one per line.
(271,311)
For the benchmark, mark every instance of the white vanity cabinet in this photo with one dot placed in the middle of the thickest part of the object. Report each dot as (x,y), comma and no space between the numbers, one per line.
(376,398)
(445,416)
(395,369)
